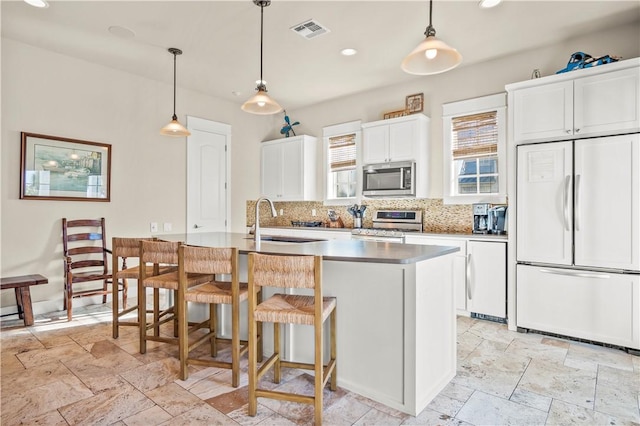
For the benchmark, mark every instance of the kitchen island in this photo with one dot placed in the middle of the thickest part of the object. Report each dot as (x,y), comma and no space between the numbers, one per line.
(396,327)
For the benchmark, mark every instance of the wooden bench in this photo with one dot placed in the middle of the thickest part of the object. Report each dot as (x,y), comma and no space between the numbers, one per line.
(21,285)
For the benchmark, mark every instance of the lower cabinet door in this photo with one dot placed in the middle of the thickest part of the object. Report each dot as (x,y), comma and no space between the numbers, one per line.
(599,306)
(487,278)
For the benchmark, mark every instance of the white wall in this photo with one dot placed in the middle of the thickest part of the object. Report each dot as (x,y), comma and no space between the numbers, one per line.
(45,92)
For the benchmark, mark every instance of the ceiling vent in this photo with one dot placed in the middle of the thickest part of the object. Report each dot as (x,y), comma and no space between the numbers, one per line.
(310,29)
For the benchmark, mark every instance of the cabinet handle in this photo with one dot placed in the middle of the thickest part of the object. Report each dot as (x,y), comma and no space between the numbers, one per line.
(577,130)
(577,204)
(575,274)
(468,273)
(568,132)
(567,181)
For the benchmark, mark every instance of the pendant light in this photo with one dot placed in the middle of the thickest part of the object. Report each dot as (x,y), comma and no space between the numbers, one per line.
(261,103)
(433,55)
(174,128)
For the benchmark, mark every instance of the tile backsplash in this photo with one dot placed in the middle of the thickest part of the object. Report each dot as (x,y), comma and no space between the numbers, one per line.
(436,217)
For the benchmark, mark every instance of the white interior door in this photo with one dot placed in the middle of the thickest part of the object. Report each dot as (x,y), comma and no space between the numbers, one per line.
(207,175)
(607,211)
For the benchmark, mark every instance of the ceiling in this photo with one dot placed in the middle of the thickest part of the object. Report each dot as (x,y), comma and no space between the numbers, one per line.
(221,39)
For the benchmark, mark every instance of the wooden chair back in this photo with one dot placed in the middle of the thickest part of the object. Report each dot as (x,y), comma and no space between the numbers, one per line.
(84,246)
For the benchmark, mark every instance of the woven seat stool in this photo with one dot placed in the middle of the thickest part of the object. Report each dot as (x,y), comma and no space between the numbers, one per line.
(302,272)
(122,250)
(217,261)
(156,254)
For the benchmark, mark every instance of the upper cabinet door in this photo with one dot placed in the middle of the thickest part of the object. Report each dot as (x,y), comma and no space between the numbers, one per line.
(271,170)
(608,103)
(543,112)
(402,140)
(293,170)
(544,207)
(607,202)
(375,147)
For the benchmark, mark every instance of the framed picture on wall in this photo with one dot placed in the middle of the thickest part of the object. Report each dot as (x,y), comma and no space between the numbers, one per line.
(56,168)
(415,103)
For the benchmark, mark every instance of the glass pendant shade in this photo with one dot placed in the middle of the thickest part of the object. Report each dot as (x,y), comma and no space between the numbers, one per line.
(432,56)
(174,128)
(261,103)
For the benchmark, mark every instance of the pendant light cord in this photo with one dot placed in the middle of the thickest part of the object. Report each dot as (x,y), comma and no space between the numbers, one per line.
(261,37)
(430,31)
(175,117)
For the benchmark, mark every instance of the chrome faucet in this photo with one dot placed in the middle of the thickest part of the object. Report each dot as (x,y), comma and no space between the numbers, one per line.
(256,234)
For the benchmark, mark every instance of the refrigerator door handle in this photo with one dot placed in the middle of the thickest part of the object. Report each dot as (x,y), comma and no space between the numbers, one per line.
(577,206)
(468,276)
(575,274)
(567,181)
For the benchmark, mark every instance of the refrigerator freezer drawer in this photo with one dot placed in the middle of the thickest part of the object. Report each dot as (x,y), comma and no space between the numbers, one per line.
(603,307)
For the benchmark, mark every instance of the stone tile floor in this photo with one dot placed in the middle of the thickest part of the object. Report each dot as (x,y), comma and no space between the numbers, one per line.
(60,373)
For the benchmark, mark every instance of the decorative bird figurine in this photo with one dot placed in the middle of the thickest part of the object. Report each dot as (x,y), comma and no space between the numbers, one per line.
(288,127)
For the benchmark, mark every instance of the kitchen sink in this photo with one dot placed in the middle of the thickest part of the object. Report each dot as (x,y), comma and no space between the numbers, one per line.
(285,239)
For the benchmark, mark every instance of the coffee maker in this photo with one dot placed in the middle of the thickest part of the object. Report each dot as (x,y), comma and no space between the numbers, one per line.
(481,218)
(498,220)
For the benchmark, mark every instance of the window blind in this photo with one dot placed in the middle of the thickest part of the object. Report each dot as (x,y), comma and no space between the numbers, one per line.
(342,152)
(474,135)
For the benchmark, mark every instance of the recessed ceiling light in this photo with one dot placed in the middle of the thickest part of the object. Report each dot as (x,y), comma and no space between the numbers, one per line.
(486,4)
(236,93)
(348,51)
(37,3)
(122,32)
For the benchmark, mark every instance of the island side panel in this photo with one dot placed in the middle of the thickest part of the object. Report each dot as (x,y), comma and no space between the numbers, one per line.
(370,329)
(431,332)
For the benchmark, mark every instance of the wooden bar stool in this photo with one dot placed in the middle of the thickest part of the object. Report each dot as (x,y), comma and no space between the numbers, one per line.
(290,272)
(122,250)
(207,260)
(155,254)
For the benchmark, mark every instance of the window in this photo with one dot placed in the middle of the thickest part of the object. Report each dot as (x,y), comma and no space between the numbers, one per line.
(474,150)
(341,153)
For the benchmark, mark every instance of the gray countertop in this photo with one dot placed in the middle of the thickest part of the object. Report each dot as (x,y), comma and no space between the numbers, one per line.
(339,250)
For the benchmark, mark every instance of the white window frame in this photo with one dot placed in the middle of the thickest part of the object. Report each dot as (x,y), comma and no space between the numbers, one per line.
(351,127)
(498,103)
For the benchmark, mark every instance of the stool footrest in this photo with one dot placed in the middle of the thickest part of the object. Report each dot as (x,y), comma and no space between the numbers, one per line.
(285,396)
(209,363)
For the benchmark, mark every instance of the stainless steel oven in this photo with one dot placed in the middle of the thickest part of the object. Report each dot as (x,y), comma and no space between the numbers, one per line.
(389,179)
(390,226)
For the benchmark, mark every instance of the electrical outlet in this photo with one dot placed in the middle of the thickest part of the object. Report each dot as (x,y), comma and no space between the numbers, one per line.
(281,212)
(154,226)
(313,212)
(166,226)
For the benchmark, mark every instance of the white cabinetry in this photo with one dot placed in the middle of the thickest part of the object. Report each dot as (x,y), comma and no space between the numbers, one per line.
(591,102)
(598,306)
(288,169)
(487,278)
(396,139)
(479,273)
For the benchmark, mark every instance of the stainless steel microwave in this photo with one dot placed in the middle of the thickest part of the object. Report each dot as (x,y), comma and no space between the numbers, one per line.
(389,180)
